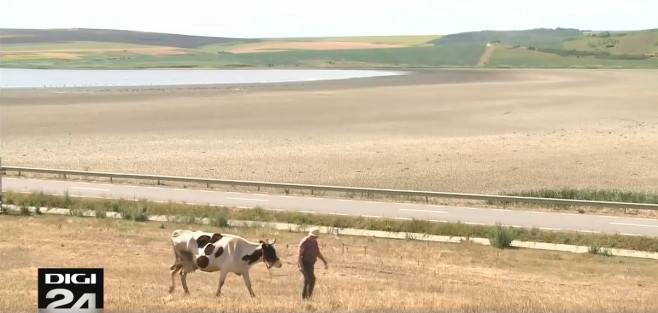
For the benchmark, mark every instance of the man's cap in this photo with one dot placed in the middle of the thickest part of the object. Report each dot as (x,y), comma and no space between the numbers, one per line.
(314,232)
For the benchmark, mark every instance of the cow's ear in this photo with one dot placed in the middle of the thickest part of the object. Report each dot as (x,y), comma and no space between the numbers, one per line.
(260,241)
(272,241)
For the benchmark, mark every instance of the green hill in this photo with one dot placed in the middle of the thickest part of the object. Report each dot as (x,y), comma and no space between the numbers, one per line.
(40,36)
(533,37)
(537,48)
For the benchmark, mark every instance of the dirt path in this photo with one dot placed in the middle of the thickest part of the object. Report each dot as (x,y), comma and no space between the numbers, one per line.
(486,55)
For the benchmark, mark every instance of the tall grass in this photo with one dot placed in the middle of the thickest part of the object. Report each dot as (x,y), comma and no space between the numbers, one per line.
(612,195)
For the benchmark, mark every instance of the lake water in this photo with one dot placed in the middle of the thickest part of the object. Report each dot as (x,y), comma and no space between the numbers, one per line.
(48,78)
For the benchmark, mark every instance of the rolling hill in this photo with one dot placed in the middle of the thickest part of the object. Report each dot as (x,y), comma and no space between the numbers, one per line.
(44,36)
(538,48)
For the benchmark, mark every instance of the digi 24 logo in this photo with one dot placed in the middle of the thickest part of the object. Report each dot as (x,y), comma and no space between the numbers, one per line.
(70,290)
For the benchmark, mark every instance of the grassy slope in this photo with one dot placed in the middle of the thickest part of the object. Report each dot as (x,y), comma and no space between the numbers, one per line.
(463,55)
(532,37)
(519,57)
(558,45)
(643,42)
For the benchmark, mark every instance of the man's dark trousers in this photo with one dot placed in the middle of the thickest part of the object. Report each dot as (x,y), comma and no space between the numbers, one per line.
(309,279)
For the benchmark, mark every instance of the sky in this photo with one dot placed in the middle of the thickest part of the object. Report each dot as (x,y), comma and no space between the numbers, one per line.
(297,18)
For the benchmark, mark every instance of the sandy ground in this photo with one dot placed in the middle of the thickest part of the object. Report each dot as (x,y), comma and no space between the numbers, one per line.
(364,274)
(447,130)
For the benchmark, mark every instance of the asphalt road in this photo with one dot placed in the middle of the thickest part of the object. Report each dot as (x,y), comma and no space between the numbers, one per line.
(315,205)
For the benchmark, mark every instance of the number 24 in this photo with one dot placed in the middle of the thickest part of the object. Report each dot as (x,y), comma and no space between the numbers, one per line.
(68,298)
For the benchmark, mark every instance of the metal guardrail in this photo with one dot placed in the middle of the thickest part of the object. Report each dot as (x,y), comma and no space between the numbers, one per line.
(312,188)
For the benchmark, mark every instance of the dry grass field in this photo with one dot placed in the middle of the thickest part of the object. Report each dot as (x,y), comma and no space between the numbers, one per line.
(74,51)
(372,275)
(309,45)
(447,130)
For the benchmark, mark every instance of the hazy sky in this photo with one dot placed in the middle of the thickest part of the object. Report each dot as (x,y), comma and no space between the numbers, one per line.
(297,18)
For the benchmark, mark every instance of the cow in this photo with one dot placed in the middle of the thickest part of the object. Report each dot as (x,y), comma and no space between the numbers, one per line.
(211,252)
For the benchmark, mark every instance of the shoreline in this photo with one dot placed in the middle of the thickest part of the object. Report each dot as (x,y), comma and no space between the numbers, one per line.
(408,77)
(220,81)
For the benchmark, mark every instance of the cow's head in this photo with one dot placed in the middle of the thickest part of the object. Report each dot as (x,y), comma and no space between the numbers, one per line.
(269,254)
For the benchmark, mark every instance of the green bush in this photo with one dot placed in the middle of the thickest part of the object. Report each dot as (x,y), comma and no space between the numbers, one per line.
(136,212)
(218,217)
(101,212)
(501,237)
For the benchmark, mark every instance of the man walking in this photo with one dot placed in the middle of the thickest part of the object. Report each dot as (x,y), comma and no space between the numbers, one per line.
(309,251)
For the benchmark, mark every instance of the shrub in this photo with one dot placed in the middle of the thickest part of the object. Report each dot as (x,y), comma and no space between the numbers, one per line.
(218,218)
(115,206)
(76,210)
(141,214)
(37,208)
(501,237)
(126,212)
(596,248)
(136,212)
(67,199)
(101,212)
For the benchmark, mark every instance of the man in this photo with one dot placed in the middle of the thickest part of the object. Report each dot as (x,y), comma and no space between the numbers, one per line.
(309,251)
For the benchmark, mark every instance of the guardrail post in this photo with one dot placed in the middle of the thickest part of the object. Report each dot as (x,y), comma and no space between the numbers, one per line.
(2,173)
(110,178)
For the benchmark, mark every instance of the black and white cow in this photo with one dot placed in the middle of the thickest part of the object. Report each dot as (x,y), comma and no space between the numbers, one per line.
(211,252)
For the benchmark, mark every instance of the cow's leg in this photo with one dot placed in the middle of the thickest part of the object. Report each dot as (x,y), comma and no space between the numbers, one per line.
(174,269)
(177,259)
(247,282)
(222,278)
(183,281)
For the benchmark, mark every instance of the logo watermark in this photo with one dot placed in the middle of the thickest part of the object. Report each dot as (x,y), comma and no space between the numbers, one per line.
(70,290)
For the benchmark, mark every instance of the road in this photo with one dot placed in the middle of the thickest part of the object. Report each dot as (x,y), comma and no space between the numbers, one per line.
(315,205)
